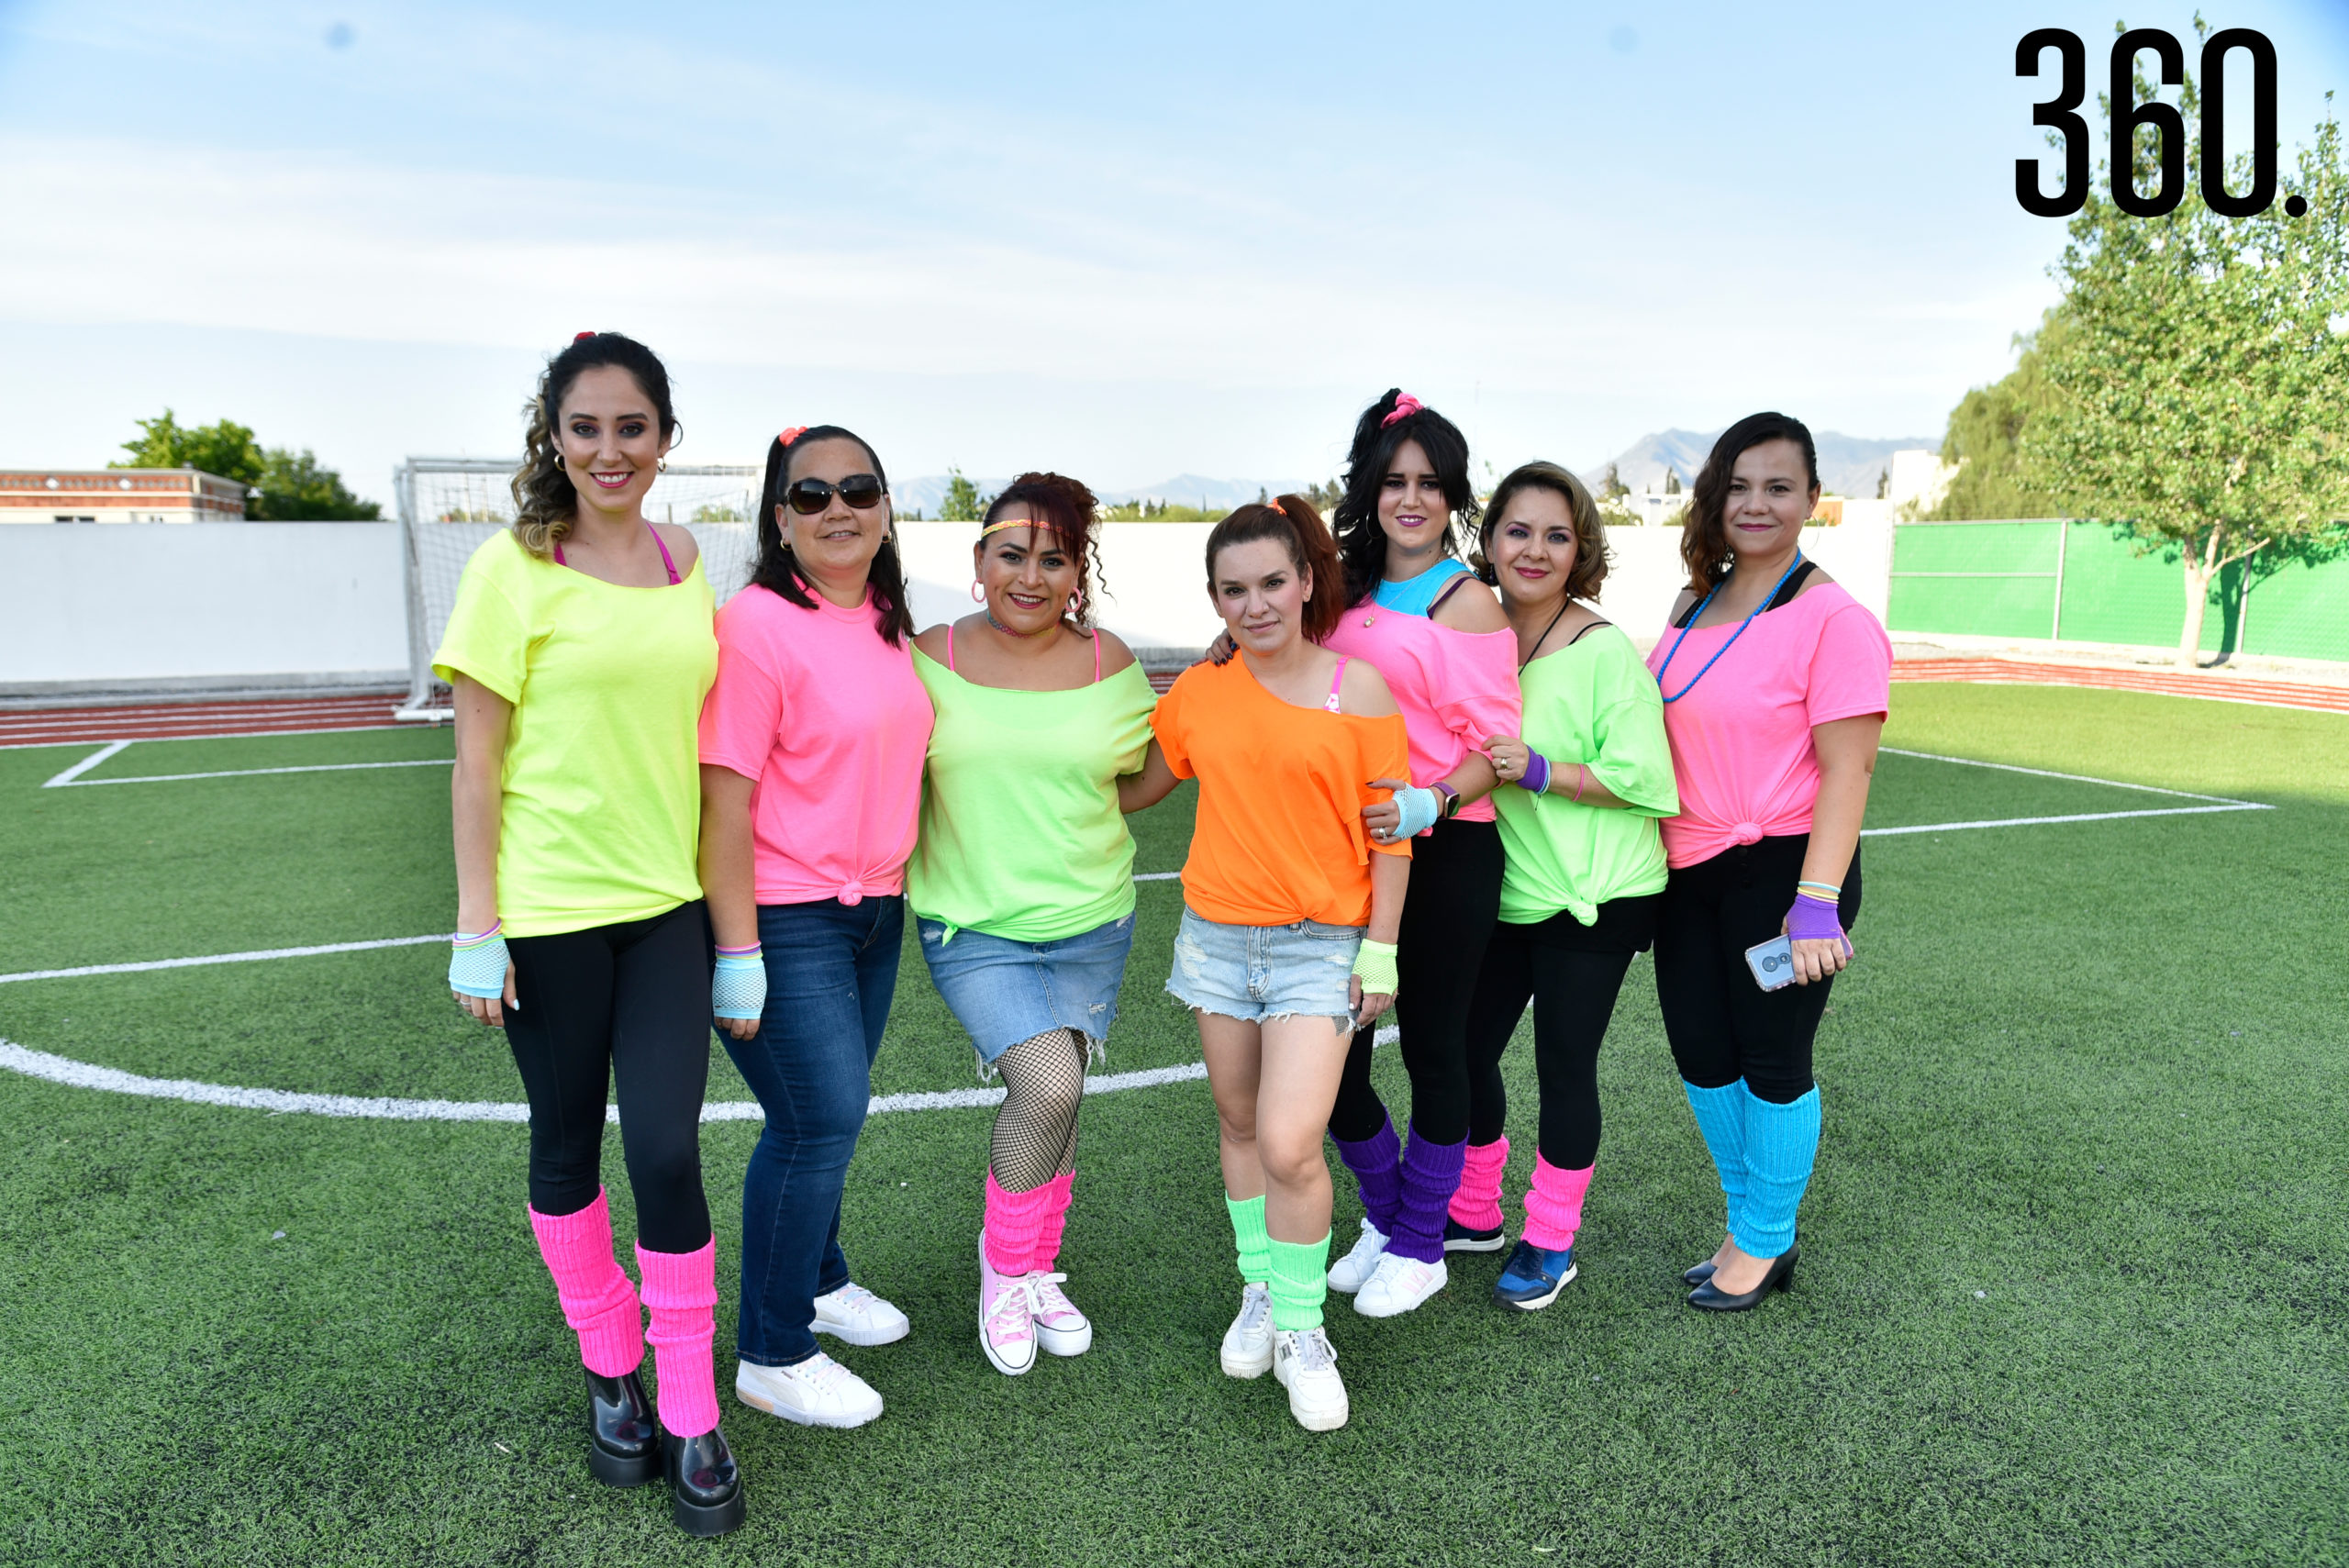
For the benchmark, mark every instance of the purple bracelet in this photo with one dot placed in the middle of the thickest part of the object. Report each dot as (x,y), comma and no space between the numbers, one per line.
(1814,921)
(1536,776)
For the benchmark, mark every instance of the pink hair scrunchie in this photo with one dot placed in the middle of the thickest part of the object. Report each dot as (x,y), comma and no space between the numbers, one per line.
(1405,407)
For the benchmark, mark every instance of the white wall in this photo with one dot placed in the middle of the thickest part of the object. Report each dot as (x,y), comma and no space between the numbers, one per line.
(168,602)
(176,604)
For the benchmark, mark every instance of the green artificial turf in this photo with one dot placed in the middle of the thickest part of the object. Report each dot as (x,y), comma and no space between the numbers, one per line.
(2070,1289)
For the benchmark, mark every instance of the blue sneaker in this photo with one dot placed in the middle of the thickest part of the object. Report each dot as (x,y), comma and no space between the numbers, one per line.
(1532,1277)
(1458,1238)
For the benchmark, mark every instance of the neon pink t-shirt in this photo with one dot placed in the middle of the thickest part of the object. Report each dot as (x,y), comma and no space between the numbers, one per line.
(832,724)
(1454,687)
(1742,752)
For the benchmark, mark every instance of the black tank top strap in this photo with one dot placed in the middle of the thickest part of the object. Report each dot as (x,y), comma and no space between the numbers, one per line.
(1792,585)
(1448,590)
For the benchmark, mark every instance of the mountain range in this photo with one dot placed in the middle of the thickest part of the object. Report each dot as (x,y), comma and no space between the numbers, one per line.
(1186,489)
(1848,465)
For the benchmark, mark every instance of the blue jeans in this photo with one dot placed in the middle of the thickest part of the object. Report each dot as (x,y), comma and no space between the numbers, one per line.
(831,972)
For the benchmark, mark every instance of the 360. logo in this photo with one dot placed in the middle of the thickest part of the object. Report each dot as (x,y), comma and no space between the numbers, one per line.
(2060,115)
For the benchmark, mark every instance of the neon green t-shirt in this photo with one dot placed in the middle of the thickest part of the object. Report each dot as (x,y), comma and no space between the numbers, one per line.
(1020,833)
(1591,702)
(601,811)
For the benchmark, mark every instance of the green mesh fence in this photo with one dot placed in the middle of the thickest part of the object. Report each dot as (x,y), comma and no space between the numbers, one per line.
(2086,583)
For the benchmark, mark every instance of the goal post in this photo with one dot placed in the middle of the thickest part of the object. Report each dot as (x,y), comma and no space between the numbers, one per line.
(449,505)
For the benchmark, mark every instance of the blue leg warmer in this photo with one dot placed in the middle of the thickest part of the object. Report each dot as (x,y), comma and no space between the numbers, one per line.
(1781,1143)
(1721,1117)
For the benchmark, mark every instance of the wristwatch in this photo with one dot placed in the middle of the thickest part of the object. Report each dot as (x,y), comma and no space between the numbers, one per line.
(1451,806)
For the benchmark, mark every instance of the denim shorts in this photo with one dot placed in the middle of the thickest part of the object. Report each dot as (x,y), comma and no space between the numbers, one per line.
(1256,972)
(1003,992)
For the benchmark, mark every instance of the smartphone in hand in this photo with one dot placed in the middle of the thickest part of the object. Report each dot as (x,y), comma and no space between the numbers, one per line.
(1773,963)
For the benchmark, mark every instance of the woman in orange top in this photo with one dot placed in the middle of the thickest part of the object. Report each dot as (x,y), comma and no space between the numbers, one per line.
(1290,912)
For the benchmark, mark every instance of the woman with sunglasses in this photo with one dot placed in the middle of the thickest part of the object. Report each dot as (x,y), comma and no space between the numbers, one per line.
(578,651)
(1022,882)
(811,752)
(1583,785)
(1439,638)
(1289,914)
(1774,684)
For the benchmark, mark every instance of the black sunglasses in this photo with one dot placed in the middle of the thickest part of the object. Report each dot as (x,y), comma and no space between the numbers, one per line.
(809,496)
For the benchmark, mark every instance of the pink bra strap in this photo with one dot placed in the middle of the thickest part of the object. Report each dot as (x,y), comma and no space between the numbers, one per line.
(1335,681)
(950,645)
(559,561)
(668,565)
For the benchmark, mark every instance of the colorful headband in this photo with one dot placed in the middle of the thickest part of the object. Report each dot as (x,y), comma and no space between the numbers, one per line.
(1020,523)
(1405,407)
(791,435)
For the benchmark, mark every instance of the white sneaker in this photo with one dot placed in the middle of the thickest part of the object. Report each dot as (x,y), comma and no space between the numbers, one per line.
(1348,1273)
(854,1313)
(1007,1317)
(1304,1362)
(1398,1284)
(817,1392)
(1248,1343)
(1061,1329)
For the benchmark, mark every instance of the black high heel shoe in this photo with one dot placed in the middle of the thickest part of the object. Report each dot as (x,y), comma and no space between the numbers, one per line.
(1698,1275)
(1711,1298)
(623,1435)
(704,1486)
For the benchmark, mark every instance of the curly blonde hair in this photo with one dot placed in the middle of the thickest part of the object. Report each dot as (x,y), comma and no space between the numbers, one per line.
(545,501)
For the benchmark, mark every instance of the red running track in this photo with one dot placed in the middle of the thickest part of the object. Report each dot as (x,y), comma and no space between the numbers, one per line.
(166,721)
(2171,683)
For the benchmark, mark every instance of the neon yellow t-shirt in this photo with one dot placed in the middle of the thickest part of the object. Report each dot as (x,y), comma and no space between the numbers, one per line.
(1020,833)
(602,809)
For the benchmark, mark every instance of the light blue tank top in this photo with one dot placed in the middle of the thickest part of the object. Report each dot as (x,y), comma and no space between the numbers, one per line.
(1414,595)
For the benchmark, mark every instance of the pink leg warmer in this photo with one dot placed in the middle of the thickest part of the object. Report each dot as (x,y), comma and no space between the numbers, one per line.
(597,1300)
(681,1294)
(1016,1223)
(1553,1205)
(1047,1235)
(1477,1203)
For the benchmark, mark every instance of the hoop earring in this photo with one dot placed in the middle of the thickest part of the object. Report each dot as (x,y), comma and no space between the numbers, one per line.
(662,464)
(978,594)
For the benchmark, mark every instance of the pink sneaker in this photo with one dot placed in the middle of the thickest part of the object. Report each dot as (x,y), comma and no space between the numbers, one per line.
(1006,1319)
(1061,1329)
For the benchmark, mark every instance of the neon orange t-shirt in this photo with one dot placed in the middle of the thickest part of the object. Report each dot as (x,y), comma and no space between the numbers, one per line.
(1279,836)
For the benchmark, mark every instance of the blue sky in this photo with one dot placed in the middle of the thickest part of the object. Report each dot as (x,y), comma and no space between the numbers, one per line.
(1124,242)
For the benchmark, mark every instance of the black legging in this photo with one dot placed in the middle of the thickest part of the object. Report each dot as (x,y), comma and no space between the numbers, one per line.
(1571,973)
(1455,899)
(1722,1026)
(628,1006)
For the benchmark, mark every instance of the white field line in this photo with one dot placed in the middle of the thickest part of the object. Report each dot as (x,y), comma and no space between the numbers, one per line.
(87,763)
(2076,817)
(249,773)
(2073,778)
(218,958)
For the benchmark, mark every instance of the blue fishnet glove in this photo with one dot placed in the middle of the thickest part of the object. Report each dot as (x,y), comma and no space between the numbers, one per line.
(477,964)
(738,989)
(1420,807)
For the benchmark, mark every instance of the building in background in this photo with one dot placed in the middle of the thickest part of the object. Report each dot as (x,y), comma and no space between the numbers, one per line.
(119,496)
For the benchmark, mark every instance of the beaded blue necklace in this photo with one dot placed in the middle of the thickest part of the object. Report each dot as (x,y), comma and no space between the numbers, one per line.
(1691,625)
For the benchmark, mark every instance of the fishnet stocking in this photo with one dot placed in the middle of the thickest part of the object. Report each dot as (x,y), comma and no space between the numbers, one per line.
(1035,1132)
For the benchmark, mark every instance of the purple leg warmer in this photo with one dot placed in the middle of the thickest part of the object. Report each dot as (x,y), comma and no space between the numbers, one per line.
(1431,1174)
(1376,1162)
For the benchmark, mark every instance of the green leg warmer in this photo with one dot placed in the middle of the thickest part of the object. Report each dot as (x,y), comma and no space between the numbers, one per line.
(1300,1283)
(1247,1235)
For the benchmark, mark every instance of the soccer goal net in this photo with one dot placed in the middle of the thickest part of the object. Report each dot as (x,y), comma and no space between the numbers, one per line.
(449,505)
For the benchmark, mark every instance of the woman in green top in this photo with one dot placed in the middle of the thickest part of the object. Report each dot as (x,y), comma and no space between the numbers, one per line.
(1022,879)
(1586,869)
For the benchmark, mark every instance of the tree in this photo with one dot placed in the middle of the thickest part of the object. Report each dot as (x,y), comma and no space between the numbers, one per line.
(962,502)
(282,486)
(1984,434)
(1614,489)
(1671,481)
(2201,385)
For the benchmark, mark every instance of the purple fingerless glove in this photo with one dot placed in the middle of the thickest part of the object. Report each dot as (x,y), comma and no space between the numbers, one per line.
(1815,921)
(1536,776)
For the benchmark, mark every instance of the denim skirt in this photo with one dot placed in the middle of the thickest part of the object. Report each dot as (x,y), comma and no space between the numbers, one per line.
(1256,972)
(1003,992)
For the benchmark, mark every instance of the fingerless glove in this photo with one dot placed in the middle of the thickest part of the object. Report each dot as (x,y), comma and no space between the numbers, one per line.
(737,986)
(477,963)
(1375,967)
(1420,808)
